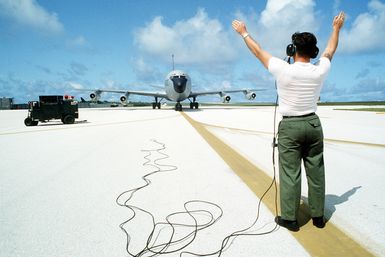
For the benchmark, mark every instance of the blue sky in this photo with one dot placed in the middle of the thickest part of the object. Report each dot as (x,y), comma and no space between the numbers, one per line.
(56,46)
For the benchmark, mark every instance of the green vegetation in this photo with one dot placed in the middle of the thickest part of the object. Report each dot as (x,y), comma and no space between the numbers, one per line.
(353,103)
(364,109)
(237,104)
(367,103)
(250,104)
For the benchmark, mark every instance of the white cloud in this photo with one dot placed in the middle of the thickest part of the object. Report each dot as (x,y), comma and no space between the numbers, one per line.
(75,85)
(367,33)
(30,13)
(279,20)
(80,44)
(11,85)
(198,40)
(145,72)
(109,84)
(226,84)
(78,41)
(205,41)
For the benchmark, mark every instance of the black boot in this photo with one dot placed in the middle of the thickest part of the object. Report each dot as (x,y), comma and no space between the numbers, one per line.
(319,222)
(291,225)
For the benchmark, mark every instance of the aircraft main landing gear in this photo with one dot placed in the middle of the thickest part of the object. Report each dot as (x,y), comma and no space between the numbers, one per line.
(156,104)
(194,105)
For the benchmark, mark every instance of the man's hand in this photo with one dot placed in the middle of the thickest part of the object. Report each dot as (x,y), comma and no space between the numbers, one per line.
(331,47)
(240,27)
(338,21)
(254,47)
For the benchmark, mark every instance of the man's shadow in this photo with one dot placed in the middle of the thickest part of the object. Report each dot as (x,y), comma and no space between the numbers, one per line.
(330,205)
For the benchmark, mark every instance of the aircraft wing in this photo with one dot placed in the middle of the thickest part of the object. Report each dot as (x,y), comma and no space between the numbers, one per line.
(223,92)
(130,92)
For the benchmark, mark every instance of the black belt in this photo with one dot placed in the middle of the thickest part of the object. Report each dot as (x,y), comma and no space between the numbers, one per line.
(300,116)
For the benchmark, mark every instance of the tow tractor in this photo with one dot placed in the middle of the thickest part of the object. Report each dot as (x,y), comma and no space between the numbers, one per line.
(51,107)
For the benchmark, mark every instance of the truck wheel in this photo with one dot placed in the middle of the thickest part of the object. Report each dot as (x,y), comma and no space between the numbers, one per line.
(28,121)
(68,119)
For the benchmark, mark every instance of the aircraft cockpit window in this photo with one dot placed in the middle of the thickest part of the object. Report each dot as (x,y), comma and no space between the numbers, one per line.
(178,77)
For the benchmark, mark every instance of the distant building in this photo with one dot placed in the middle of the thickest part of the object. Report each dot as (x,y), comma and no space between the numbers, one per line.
(19,106)
(6,103)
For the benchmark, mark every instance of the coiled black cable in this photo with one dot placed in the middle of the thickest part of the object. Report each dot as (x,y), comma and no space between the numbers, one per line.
(176,243)
(192,209)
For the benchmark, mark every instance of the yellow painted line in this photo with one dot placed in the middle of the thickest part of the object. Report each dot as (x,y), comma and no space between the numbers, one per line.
(327,242)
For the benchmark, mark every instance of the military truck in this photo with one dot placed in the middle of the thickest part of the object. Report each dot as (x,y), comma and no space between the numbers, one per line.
(52,107)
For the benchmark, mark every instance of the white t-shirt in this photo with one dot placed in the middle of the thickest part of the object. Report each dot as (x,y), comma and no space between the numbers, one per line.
(299,84)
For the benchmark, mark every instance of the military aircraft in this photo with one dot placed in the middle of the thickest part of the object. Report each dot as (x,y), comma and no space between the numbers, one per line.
(177,88)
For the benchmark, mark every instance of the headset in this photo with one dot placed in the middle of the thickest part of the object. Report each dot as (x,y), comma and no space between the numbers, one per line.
(291,49)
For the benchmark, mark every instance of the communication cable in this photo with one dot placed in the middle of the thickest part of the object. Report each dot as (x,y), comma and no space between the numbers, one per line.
(192,209)
(152,248)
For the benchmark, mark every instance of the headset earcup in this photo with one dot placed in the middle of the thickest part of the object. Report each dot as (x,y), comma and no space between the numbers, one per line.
(290,50)
(316,51)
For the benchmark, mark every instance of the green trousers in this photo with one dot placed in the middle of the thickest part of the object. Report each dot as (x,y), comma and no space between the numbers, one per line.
(301,139)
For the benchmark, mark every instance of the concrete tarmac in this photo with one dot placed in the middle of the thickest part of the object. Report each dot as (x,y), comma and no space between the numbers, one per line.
(60,185)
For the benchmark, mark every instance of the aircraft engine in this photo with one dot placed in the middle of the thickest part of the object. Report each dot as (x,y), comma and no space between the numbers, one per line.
(123,99)
(226,98)
(250,95)
(95,96)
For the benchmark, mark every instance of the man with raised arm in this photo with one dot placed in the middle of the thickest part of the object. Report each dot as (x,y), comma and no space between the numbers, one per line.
(300,136)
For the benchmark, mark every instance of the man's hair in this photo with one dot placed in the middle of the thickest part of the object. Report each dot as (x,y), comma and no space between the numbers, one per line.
(305,44)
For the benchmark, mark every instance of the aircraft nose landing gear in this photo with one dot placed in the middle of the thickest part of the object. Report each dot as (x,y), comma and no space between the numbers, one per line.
(178,107)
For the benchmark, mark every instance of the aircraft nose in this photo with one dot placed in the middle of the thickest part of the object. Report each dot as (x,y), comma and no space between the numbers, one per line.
(179,83)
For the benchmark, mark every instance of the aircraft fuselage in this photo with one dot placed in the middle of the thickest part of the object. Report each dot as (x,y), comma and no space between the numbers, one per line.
(177,85)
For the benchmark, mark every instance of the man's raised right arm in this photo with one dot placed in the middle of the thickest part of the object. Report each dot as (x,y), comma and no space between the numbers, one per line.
(331,47)
(253,45)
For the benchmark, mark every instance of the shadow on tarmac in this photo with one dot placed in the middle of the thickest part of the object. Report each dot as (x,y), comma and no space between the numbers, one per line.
(330,206)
